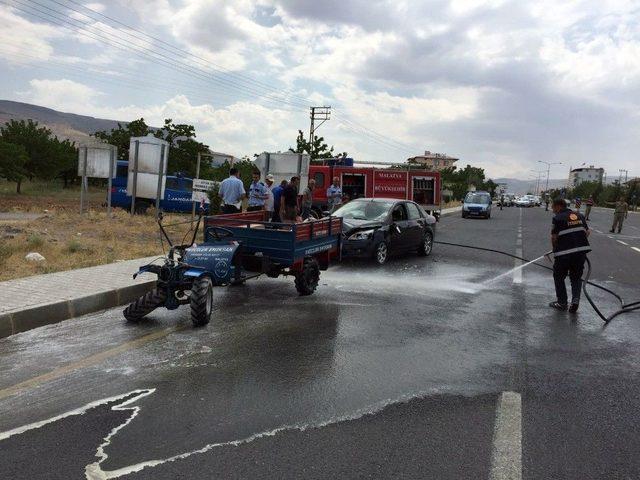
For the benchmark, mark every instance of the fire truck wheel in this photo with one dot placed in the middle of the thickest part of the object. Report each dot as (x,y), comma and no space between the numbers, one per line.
(201,301)
(145,305)
(381,253)
(307,279)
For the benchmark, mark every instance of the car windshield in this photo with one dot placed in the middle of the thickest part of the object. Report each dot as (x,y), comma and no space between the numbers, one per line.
(364,210)
(477,198)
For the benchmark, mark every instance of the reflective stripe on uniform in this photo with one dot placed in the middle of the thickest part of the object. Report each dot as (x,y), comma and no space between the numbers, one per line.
(586,248)
(572,230)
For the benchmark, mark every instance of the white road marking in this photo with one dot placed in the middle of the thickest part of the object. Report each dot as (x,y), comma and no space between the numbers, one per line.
(517,272)
(636,249)
(135,395)
(506,455)
(598,231)
(623,243)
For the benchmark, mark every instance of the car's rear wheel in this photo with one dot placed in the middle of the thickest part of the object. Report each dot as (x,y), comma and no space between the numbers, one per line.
(426,246)
(381,253)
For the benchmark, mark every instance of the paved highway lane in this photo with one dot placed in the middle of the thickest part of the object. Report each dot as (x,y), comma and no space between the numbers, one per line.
(445,367)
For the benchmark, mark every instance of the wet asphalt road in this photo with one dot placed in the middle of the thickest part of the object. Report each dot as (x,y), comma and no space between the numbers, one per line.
(394,372)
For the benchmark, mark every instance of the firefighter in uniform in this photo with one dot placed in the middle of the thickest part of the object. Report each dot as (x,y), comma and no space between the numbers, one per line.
(569,237)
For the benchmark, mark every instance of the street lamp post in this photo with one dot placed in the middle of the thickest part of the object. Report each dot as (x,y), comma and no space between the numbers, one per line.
(546,189)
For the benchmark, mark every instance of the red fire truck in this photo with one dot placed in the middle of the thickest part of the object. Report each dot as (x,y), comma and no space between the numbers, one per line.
(421,186)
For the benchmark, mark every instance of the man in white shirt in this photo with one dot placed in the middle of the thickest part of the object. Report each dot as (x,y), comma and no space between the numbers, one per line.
(268,203)
(232,192)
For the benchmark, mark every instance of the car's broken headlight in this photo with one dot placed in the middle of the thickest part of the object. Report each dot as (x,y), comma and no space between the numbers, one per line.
(362,235)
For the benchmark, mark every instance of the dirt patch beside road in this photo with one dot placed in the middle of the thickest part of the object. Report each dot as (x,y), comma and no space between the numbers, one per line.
(68,240)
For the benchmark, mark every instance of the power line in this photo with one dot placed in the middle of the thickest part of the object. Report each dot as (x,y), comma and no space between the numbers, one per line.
(187,69)
(201,60)
(144,52)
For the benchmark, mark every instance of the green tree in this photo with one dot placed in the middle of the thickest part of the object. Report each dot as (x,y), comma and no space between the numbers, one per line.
(121,136)
(67,155)
(13,158)
(43,161)
(184,149)
(319,149)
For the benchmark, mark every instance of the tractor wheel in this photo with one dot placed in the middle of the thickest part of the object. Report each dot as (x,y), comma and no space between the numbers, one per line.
(201,301)
(145,305)
(426,246)
(307,280)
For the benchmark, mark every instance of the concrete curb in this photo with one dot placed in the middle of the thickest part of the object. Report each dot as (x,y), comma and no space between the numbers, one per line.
(49,313)
(451,211)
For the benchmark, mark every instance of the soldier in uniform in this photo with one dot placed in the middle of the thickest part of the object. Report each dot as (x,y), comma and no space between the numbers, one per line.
(620,213)
(569,237)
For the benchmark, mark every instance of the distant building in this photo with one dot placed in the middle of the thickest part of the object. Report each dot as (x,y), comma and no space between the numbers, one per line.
(433,161)
(584,174)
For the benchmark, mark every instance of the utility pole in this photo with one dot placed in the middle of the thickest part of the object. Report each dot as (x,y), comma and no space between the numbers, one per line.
(321,114)
(626,176)
(548,164)
(538,173)
(546,188)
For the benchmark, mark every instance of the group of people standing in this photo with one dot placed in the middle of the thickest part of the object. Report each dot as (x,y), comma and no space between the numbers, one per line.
(281,201)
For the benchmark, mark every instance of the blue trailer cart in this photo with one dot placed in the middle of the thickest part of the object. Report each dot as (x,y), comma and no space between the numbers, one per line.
(236,248)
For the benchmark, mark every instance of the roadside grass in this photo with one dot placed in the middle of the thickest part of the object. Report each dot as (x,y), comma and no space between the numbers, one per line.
(39,195)
(68,240)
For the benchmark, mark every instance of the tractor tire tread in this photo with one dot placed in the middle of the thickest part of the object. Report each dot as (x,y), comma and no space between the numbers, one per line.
(198,302)
(304,285)
(145,305)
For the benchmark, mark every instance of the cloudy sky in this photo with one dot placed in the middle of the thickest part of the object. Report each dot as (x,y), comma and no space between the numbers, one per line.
(500,84)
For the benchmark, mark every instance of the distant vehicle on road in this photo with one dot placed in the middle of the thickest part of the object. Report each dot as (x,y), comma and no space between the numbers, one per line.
(525,201)
(477,204)
(378,227)
(505,200)
(177,193)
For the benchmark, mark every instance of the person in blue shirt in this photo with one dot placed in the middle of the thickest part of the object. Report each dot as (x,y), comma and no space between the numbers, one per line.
(232,192)
(277,195)
(334,195)
(257,193)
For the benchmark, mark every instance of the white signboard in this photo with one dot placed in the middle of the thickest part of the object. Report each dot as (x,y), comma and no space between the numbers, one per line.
(149,154)
(200,189)
(283,166)
(98,159)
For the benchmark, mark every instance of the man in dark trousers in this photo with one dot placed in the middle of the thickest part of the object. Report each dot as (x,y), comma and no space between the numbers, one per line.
(569,237)
(289,201)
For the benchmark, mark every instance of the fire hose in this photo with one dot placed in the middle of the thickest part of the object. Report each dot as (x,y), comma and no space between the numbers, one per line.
(624,307)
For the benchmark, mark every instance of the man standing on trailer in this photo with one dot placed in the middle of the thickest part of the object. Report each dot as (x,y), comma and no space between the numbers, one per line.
(277,200)
(289,201)
(232,192)
(257,193)
(268,203)
(569,238)
(334,195)
(307,199)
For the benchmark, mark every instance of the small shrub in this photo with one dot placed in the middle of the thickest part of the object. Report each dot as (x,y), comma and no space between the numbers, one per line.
(35,241)
(6,250)
(74,246)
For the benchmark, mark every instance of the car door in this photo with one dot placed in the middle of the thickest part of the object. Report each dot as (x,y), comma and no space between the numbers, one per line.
(399,232)
(416,224)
